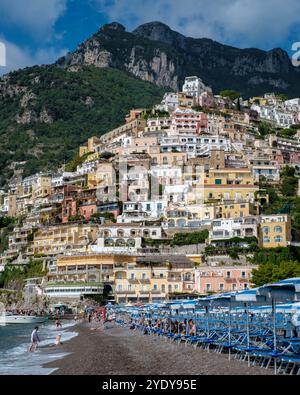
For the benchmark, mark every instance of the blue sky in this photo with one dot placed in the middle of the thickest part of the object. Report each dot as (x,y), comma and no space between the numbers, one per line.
(39,31)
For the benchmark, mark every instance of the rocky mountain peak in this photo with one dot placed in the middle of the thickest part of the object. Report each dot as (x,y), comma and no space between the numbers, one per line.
(154,52)
(113,26)
(158,31)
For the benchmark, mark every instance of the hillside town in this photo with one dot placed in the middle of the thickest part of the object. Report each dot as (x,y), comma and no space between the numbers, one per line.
(170,204)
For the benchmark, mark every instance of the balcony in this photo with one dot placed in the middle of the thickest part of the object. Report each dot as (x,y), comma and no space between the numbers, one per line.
(155,291)
(175,279)
(145,292)
(158,277)
(133,280)
(125,292)
(244,279)
(230,279)
(144,281)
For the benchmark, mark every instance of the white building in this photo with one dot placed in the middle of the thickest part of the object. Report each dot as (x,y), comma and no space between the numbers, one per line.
(194,86)
(169,102)
(196,146)
(225,229)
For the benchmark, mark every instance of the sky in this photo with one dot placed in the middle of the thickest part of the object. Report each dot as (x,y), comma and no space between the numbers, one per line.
(40,31)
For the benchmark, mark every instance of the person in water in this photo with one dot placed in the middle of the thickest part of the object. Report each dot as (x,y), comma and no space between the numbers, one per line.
(58,324)
(34,339)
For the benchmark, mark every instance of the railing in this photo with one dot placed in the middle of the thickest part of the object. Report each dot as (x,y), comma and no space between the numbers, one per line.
(125,292)
(155,277)
(230,279)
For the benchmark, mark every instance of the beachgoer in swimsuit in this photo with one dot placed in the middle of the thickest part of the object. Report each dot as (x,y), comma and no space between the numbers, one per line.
(34,339)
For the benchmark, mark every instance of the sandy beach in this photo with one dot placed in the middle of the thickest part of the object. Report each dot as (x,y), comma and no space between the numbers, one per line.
(120,351)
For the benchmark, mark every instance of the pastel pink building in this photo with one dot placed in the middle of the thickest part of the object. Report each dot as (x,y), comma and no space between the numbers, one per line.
(87,210)
(222,279)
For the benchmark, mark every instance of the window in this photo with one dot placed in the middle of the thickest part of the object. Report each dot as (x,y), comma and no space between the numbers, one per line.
(243,274)
(278,229)
(155,286)
(144,276)
(233,287)
(228,274)
(266,239)
(266,229)
(278,239)
(221,287)
(208,287)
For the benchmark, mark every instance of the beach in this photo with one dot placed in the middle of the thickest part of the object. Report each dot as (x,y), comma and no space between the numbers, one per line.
(121,351)
(15,341)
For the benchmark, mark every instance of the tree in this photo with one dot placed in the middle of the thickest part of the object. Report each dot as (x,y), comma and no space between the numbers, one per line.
(282,96)
(269,273)
(264,129)
(289,182)
(231,94)
(108,216)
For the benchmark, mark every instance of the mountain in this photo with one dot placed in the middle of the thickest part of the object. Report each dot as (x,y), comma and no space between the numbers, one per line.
(153,52)
(47,112)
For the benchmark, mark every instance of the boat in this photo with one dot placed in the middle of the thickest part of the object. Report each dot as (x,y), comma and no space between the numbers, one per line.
(6,319)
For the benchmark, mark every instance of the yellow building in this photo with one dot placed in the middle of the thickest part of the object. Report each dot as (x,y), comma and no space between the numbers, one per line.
(41,187)
(274,231)
(154,278)
(131,278)
(92,143)
(89,268)
(53,240)
(229,184)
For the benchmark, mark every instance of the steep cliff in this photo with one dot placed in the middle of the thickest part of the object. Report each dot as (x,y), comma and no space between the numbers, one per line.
(153,52)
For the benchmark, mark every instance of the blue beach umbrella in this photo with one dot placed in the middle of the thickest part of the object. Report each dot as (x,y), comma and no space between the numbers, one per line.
(282,291)
(247,297)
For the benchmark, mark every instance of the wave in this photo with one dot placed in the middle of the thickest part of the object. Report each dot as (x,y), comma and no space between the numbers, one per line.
(19,361)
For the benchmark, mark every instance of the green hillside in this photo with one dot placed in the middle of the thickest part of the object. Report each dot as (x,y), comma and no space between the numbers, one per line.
(77,105)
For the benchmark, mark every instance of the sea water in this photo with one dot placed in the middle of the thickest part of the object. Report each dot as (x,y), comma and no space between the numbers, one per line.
(15,341)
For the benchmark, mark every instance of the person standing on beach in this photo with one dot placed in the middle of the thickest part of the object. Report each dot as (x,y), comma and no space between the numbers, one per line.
(34,339)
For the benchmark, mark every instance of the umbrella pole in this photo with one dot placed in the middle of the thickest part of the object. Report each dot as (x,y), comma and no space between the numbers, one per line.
(229,331)
(274,334)
(207,326)
(248,333)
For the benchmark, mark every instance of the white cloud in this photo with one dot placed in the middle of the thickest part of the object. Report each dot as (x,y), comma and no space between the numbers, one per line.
(17,58)
(36,17)
(263,24)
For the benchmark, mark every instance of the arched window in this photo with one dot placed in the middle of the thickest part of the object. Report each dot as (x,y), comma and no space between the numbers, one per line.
(131,243)
(120,243)
(107,233)
(109,242)
(120,233)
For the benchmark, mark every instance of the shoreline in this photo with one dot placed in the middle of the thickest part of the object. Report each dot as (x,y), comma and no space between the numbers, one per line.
(117,351)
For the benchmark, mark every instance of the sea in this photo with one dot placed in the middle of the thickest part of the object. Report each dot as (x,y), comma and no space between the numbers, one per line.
(15,341)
